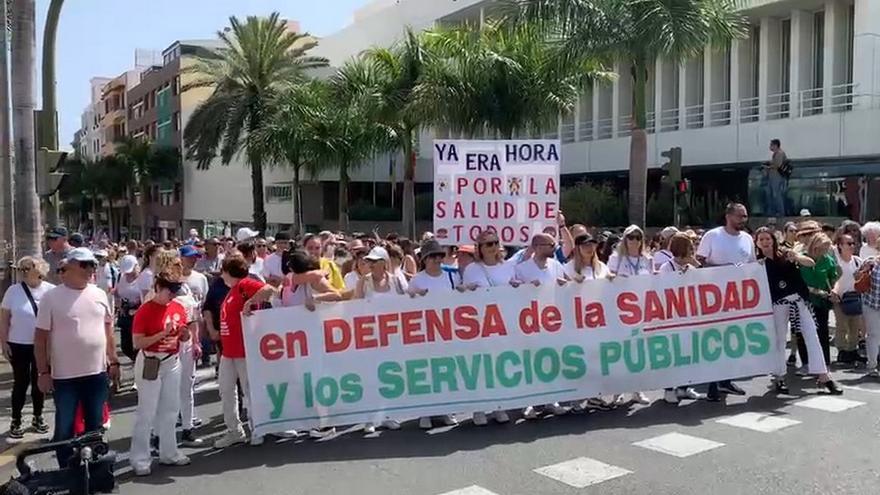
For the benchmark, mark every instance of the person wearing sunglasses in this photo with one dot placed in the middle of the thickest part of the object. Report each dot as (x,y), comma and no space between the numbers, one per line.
(489,268)
(358,267)
(75,348)
(159,327)
(789,232)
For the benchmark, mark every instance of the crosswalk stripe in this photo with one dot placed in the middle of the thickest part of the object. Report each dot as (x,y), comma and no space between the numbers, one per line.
(678,444)
(470,490)
(582,472)
(829,404)
(764,423)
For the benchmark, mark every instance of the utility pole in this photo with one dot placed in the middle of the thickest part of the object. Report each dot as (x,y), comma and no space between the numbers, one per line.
(6,182)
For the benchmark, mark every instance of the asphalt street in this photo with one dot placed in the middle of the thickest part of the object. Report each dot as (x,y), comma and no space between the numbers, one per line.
(805,443)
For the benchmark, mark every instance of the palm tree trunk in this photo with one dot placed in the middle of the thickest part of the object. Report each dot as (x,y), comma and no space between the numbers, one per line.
(95,220)
(27,228)
(409,190)
(257,192)
(638,148)
(343,197)
(297,201)
(109,219)
(6,175)
(144,208)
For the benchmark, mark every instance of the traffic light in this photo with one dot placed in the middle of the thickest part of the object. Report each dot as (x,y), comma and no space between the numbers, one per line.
(673,166)
(49,176)
(683,186)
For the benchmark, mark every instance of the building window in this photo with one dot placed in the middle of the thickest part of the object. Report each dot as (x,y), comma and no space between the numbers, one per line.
(176,87)
(279,194)
(166,198)
(817,93)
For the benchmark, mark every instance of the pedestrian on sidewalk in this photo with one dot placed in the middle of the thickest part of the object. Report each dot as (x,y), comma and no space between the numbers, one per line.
(18,319)
(75,348)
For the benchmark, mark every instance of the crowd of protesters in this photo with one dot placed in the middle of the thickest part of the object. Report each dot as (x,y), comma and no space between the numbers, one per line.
(178,304)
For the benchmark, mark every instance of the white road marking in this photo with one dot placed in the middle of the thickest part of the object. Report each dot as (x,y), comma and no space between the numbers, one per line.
(582,472)
(765,423)
(678,444)
(470,490)
(829,404)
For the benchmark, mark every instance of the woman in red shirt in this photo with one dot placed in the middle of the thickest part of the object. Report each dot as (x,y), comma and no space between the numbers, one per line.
(158,328)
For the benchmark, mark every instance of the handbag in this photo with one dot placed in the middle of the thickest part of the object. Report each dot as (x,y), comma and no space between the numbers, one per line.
(863,281)
(851,303)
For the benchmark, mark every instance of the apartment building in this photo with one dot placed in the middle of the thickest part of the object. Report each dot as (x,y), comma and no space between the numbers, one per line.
(88,139)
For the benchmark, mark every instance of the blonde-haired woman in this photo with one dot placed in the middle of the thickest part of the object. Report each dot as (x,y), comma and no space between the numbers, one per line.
(631,256)
(489,268)
(820,281)
(585,263)
(631,259)
(18,319)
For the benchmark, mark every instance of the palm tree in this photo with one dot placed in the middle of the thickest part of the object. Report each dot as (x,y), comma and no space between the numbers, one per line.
(347,132)
(399,71)
(260,58)
(506,81)
(145,164)
(27,204)
(634,32)
(286,136)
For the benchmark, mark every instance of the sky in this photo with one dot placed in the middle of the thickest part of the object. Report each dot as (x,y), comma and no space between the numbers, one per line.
(99,37)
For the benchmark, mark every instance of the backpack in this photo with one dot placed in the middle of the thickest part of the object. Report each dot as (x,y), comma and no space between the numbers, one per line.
(786,168)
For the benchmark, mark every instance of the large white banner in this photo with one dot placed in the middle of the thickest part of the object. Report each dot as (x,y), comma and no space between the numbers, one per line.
(504,347)
(511,187)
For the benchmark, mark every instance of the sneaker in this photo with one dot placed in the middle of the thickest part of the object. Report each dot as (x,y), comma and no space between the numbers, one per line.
(530,413)
(319,433)
(39,425)
(449,420)
(670,396)
(229,439)
(180,460)
(792,361)
(689,393)
(286,434)
(802,371)
(480,419)
(369,428)
(713,396)
(780,386)
(618,401)
(556,409)
(874,373)
(425,423)
(730,388)
(500,417)
(257,440)
(391,424)
(597,403)
(577,406)
(142,470)
(640,398)
(832,387)
(187,439)
(15,430)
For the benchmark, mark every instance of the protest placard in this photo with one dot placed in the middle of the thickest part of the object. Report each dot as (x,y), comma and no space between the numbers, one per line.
(511,187)
(505,347)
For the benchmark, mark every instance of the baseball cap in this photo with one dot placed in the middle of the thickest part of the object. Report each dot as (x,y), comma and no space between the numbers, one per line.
(188,251)
(805,212)
(56,233)
(282,236)
(245,233)
(585,239)
(101,253)
(128,264)
(668,232)
(467,249)
(81,254)
(377,254)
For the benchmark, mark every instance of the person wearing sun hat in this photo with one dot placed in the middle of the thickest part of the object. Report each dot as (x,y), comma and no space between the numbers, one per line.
(356,266)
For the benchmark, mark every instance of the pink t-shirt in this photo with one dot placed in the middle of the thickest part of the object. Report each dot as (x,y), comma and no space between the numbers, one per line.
(75,320)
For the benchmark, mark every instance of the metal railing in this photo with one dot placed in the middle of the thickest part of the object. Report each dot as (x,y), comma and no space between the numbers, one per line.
(778,106)
(719,114)
(624,126)
(568,133)
(650,122)
(749,110)
(669,120)
(693,117)
(605,128)
(585,132)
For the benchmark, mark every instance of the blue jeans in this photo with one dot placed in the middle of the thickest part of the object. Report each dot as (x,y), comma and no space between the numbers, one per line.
(776,189)
(90,391)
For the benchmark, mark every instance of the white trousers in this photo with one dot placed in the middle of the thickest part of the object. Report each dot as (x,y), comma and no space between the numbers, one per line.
(187,380)
(872,328)
(158,404)
(808,333)
(232,370)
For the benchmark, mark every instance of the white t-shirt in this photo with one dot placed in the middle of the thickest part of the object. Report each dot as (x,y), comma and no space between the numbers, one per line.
(670,267)
(720,248)
(256,268)
(436,285)
(198,287)
(351,279)
(528,271)
(661,257)
(483,275)
(272,266)
(23,321)
(868,252)
(847,281)
(104,276)
(629,266)
(587,272)
(128,291)
(144,282)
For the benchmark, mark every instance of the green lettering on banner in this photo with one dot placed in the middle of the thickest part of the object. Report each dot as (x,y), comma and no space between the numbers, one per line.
(506,380)
(658,350)
(307,389)
(487,368)
(609,352)
(547,355)
(759,343)
(709,335)
(393,384)
(573,359)
(679,359)
(527,366)
(276,397)
(734,332)
(443,371)
(352,390)
(636,365)
(417,377)
(327,391)
(469,370)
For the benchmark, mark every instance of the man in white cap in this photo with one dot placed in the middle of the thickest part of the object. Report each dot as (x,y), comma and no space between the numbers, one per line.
(245,234)
(664,254)
(75,332)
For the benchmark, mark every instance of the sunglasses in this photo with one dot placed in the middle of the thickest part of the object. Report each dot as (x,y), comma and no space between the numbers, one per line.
(489,243)
(88,265)
(261,245)
(546,245)
(851,243)
(634,237)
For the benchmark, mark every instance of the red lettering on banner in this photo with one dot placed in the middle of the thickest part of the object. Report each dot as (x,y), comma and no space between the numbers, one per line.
(551,318)
(533,190)
(653,307)
(707,307)
(524,236)
(751,295)
(438,324)
(409,323)
(675,302)
(551,187)
(386,323)
(466,319)
(334,328)
(363,332)
(272,347)
(731,298)
(550,210)
(627,304)
(440,209)
(534,210)
(493,324)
